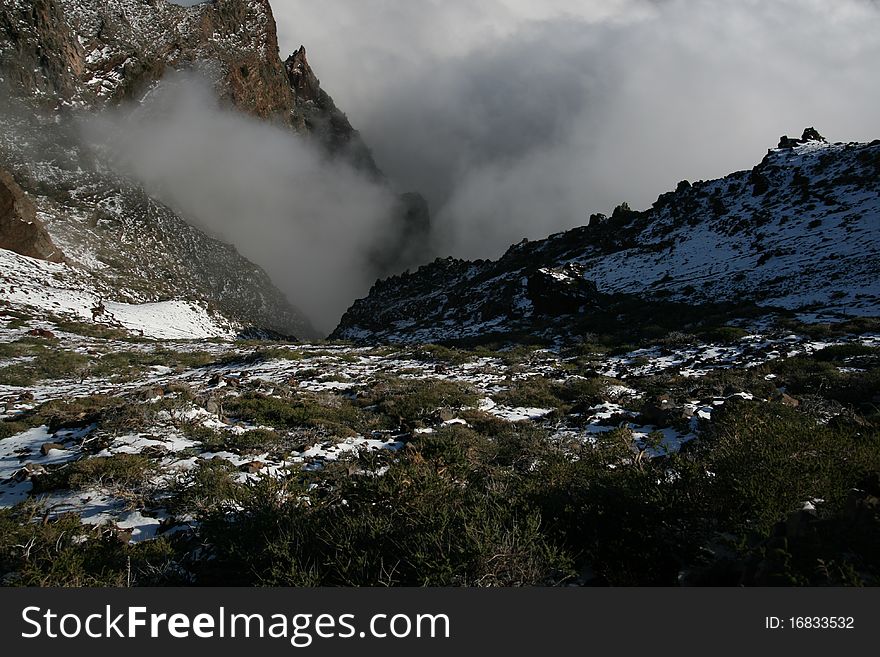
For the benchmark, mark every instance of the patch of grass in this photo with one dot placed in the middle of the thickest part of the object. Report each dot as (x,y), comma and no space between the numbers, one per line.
(768,460)
(823,331)
(419,524)
(210,485)
(414,400)
(72,413)
(11,428)
(534,392)
(803,375)
(65,553)
(90,330)
(541,392)
(844,352)
(724,334)
(331,412)
(124,471)
(127,365)
(439,353)
(46,364)
(261,355)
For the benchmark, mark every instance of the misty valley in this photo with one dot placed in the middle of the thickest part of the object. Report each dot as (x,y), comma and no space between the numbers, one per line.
(244,343)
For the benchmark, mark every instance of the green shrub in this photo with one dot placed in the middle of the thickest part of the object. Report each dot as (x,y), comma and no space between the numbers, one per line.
(64,553)
(769,460)
(47,364)
(417,525)
(331,412)
(533,392)
(210,485)
(413,400)
(90,330)
(124,471)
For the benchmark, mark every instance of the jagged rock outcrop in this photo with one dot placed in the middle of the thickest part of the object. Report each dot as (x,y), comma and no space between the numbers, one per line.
(810,134)
(92,53)
(314,113)
(800,232)
(20,230)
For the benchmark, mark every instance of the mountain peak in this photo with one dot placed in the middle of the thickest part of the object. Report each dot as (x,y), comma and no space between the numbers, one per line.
(303,81)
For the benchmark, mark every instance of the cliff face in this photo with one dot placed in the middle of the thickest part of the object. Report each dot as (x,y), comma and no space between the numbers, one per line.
(20,230)
(315,113)
(86,52)
(94,53)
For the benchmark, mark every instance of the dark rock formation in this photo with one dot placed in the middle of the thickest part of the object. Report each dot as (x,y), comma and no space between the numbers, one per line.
(20,230)
(810,134)
(561,290)
(314,113)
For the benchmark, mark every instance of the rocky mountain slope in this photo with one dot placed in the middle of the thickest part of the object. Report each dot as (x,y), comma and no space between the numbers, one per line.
(117,242)
(60,59)
(799,232)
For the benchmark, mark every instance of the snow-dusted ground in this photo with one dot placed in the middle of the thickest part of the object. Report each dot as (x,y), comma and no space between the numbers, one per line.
(324,373)
(46,289)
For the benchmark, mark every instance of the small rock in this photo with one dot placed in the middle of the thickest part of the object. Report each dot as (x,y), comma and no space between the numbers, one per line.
(788,400)
(445,415)
(48,447)
(28,471)
(154,451)
(253,467)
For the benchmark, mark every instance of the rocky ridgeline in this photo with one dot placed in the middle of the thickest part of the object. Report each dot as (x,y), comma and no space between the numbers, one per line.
(799,233)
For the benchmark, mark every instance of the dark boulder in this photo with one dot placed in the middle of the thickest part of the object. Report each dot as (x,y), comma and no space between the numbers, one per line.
(561,290)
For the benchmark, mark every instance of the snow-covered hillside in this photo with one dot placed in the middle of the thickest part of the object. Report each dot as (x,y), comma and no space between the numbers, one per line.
(43,289)
(800,232)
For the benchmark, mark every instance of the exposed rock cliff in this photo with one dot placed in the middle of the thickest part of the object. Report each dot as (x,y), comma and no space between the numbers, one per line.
(20,230)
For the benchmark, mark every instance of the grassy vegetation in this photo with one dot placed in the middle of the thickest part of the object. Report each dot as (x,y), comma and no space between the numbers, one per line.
(413,400)
(463,508)
(330,412)
(63,552)
(46,359)
(90,330)
(492,503)
(43,362)
(255,440)
(127,472)
(542,392)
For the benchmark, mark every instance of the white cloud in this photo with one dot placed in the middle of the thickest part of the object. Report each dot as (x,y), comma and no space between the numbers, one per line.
(519,118)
